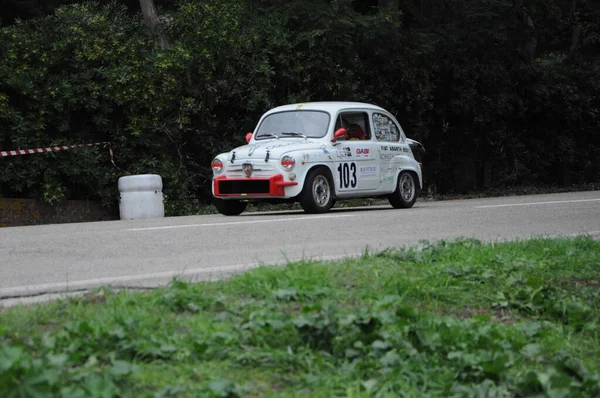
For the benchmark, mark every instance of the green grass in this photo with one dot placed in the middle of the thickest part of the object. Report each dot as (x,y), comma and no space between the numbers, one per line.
(461,318)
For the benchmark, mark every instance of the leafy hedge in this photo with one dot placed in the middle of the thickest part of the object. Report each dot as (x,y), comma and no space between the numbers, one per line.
(455,76)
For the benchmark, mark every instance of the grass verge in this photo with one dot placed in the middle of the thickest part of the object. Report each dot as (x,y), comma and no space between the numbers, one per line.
(460,318)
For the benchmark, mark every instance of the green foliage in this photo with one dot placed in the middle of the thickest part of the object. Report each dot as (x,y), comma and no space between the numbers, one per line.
(104,81)
(457,74)
(24,375)
(461,318)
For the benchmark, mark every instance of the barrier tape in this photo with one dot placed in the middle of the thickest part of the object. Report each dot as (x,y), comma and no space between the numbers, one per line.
(19,152)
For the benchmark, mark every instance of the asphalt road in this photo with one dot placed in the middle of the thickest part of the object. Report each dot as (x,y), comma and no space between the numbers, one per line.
(141,253)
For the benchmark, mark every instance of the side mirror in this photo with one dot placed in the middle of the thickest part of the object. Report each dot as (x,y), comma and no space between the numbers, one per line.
(248,136)
(338,134)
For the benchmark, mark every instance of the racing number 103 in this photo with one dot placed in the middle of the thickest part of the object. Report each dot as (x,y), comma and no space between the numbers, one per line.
(347,180)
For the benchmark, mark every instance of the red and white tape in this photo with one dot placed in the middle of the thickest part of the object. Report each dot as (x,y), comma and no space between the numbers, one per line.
(19,152)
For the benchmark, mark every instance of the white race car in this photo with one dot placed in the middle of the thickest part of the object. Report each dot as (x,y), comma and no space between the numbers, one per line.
(316,153)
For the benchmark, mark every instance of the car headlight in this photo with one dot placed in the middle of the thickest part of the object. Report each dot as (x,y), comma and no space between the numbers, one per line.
(216,165)
(288,162)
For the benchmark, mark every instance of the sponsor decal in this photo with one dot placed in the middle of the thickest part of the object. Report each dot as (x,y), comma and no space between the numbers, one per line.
(367,171)
(362,151)
(385,129)
(278,146)
(305,157)
(345,152)
(387,179)
(393,148)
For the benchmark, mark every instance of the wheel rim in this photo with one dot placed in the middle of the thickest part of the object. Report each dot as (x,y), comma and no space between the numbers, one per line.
(321,192)
(407,187)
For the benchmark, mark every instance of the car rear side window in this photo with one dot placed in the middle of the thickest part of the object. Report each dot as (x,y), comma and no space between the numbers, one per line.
(384,128)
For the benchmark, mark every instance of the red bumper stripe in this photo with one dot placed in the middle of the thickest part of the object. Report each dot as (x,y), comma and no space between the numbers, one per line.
(276,186)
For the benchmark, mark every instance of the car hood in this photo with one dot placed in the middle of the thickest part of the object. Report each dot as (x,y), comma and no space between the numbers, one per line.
(275,147)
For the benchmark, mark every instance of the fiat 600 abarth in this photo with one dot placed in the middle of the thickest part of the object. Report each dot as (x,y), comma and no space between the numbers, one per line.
(318,153)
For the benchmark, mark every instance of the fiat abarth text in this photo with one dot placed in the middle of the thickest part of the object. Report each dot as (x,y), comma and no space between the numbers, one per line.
(315,154)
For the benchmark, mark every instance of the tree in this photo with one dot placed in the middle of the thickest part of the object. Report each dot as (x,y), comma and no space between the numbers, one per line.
(492,105)
(156,25)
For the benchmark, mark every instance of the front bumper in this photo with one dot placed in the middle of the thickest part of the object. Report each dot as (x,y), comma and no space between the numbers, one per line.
(251,187)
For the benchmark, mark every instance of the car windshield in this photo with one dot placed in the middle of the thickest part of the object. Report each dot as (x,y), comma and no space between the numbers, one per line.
(291,124)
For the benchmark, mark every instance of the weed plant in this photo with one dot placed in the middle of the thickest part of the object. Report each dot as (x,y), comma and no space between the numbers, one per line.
(450,319)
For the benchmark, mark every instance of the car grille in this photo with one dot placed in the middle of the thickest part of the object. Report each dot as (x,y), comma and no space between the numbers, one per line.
(244,186)
(261,169)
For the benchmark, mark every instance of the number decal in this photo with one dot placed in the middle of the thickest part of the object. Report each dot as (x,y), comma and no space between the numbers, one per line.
(347,180)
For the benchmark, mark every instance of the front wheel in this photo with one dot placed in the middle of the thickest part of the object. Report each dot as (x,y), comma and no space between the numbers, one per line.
(229,207)
(316,196)
(406,191)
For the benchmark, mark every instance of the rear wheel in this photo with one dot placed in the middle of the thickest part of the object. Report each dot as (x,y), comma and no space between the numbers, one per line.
(229,207)
(317,196)
(406,191)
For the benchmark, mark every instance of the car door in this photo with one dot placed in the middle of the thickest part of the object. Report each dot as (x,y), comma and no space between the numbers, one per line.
(356,157)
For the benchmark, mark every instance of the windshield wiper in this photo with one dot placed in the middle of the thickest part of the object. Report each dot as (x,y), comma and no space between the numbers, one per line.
(268,135)
(293,134)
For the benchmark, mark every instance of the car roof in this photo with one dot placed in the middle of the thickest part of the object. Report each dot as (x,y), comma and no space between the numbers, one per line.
(329,106)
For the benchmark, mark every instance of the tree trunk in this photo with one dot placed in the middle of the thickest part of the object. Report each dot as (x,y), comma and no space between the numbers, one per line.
(576,35)
(154,24)
(529,44)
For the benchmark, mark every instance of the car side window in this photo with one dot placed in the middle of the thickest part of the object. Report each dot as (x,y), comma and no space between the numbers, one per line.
(357,124)
(385,128)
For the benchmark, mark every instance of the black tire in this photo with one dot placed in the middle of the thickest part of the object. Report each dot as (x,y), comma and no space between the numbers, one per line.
(317,194)
(407,191)
(229,207)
